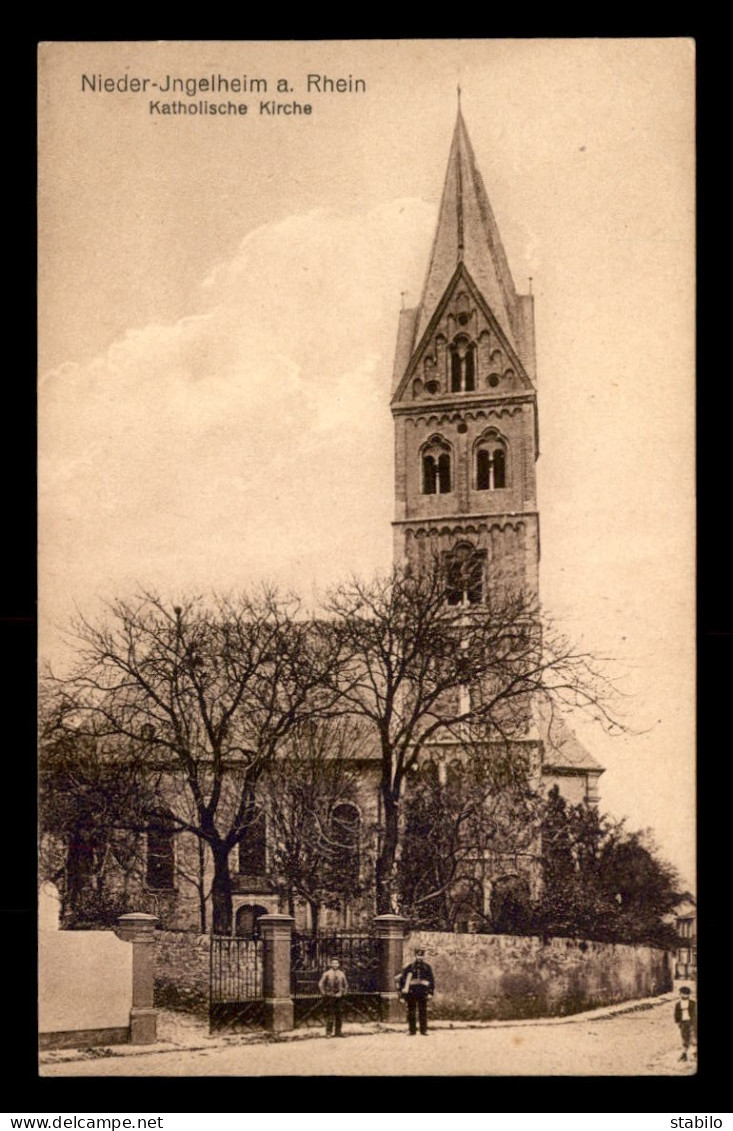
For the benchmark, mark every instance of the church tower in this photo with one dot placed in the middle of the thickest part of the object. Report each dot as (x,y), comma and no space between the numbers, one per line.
(465,404)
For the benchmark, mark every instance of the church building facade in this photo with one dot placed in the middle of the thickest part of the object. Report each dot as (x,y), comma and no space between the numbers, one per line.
(464,403)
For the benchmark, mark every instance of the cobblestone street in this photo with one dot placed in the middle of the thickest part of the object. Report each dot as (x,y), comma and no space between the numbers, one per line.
(644,1042)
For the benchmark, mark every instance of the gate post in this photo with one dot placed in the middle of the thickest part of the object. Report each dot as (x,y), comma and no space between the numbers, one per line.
(391,931)
(276,940)
(139,929)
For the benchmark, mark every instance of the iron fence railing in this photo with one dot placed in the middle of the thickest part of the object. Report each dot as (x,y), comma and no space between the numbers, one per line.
(235,983)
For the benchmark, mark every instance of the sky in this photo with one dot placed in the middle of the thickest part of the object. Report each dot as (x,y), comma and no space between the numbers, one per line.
(219,299)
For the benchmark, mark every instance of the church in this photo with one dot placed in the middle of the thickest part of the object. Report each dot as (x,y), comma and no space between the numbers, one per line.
(466,434)
(464,404)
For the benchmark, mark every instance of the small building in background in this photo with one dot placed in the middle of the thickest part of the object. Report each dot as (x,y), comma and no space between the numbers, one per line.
(685,918)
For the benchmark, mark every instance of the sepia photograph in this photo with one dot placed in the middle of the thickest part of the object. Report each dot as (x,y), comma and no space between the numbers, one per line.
(366,495)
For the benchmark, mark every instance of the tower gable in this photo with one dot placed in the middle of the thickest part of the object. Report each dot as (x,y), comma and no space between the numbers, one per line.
(463,349)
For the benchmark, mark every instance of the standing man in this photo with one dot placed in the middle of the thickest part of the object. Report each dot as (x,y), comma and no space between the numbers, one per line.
(416,984)
(685,1015)
(333,987)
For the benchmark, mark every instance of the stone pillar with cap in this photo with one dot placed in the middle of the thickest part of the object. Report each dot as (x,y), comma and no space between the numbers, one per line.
(139,929)
(277,931)
(391,931)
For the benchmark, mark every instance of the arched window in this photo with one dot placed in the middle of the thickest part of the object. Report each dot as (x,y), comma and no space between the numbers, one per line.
(464,575)
(455,371)
(245,922)
(444,473)
(462,365)
(429,773)
(483,477)
(454,775)
(429,475)
(464,699)
(499,467)
(436,467)
(253,848)
(468,906)
(469,383)
(345,829)
(511,905)
(491,463)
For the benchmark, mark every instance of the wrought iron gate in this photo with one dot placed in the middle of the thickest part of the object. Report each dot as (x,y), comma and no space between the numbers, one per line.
(359,957)
(235,984)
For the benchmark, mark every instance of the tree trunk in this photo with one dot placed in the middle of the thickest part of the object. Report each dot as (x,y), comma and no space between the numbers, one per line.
(221,892)
(387,855)
(202,885)
(315,910)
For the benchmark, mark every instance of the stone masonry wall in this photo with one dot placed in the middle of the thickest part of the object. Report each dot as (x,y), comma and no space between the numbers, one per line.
(182,970)
(507,977)
(477,976)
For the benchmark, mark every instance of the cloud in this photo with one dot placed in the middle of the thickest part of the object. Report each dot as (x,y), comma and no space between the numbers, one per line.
(252,436)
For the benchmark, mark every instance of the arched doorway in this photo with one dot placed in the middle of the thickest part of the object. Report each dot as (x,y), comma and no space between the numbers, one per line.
(245,921)
(345,830)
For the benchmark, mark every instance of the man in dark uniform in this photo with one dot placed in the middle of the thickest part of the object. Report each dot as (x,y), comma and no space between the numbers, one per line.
(416,984)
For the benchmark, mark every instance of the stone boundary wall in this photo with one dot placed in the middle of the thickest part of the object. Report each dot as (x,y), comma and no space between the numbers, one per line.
(477,976)
(94,987)
(510,977)
(84,987)
(182,970)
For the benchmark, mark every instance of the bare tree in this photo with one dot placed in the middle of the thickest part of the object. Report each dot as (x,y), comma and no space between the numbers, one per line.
(200,698)
(423,666)
(310,796)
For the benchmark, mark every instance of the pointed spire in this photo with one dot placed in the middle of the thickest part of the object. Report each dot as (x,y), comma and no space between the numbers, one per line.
(467,233)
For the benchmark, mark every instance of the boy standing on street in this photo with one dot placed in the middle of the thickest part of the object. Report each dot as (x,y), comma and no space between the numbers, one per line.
(332,987)
(685,1015)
